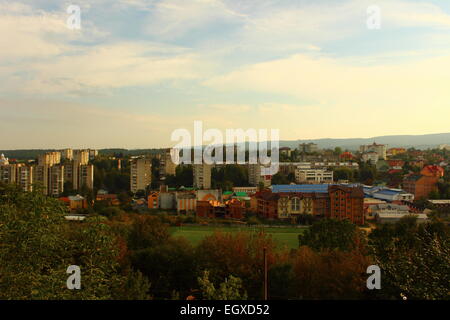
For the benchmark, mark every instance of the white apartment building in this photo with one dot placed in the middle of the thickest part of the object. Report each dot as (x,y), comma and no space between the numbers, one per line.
(140,174)
(372,156)
(380,149)
(313,176)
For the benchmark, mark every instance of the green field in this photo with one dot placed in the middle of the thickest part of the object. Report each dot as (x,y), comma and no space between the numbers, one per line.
(283,236)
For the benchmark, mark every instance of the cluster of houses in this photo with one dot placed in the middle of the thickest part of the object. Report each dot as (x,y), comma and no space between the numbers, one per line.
(355,202)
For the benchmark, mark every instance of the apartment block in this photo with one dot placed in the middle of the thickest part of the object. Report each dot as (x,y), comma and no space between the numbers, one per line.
(308,147)
(81,157)
(202,176)
(8,173)
(255,177)
(49,158)
(67,154)
(380,149)
(167,166)
(25,177)
(85,176)
(56,180)
(41,177)
(314,176)
(140,174)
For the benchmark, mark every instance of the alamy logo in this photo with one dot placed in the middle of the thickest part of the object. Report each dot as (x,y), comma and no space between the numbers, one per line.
(74,20)
(235,140)
(374,17)
(74,280)
(374,280)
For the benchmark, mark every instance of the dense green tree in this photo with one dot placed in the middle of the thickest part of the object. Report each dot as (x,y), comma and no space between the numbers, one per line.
(230,289)
(332,234)
(414,259)
(169,266)
(38,245)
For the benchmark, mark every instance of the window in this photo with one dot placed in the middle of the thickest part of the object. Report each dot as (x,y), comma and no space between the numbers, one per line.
(295,204)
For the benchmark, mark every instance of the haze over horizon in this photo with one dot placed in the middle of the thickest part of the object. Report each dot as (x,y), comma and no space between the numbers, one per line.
(137,70)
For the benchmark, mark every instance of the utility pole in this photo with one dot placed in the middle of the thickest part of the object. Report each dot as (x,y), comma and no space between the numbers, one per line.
(265,272)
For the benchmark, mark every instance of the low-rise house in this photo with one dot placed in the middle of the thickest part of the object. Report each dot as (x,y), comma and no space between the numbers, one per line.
(395,217)
(186,202)
(75,202)
(153,200)
(232,209)
(388,194)
(433,171)
(109,199)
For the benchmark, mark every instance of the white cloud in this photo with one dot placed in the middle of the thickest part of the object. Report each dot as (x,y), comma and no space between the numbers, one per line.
(39,55)
(331,81)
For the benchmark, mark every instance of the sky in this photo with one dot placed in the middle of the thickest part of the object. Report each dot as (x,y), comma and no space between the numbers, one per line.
(138,70)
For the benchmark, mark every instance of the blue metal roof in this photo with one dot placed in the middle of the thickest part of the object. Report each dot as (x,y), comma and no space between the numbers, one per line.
(388,192)
(318,188)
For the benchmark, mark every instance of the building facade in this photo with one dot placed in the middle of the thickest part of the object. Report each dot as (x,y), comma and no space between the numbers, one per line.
(202,176)
(332,201)
(140,174)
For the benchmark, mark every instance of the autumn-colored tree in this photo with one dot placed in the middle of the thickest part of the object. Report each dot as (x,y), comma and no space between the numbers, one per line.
(329,274)
(239,254)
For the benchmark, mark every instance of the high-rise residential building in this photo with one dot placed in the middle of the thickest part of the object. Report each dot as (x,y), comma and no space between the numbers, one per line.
(380,149)
(25,177)
(41,177)
(50,174)
(49,158)
(20,174)
(81,157)
(67,154)
(86,176)
(140,174)
(8,173)
(202,176)
(92,154)
(56,180)
(167,166)
(255,177)
(79,175)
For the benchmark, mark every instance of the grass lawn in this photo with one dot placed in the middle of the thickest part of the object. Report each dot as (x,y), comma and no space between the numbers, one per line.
(283,236)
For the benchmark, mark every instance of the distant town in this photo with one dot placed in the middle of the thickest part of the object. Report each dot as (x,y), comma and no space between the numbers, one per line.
(376,184)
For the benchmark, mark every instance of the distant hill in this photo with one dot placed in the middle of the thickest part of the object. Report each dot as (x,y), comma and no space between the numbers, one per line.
(405,141)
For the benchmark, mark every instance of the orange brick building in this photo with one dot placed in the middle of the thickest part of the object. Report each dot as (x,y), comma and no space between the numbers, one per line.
(419,185)
(346,203)
(232,209)
(332,201)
